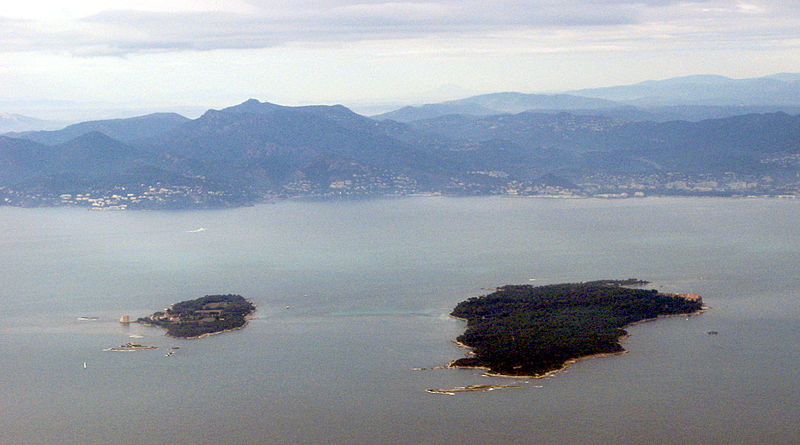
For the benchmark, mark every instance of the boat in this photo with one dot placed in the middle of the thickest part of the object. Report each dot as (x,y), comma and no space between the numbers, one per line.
(84,365)
(198,230)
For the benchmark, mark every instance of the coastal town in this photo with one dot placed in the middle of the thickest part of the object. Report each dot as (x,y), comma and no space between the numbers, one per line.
(148,197)
(496,183)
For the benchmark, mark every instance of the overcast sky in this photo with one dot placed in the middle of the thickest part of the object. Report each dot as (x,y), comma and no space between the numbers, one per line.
(211,53)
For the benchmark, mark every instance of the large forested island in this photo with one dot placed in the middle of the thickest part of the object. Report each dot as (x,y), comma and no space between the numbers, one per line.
(204,316)
(530,331)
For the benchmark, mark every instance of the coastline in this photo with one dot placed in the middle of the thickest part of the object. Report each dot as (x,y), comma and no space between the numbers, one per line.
(470,388)
(247,319)
(207,334)
(271,200)
(569,362)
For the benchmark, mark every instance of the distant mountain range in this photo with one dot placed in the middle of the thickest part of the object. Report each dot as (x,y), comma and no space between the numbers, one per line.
(122,129)
(499,103)
(258,151)
(18,122)
(690,98)
(778,89)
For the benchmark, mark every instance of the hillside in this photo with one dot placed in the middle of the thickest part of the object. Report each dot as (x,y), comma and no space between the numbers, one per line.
(257,151)
(125,130)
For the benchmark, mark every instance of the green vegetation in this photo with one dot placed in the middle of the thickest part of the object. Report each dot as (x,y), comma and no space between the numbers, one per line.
(526,330)
(207,315)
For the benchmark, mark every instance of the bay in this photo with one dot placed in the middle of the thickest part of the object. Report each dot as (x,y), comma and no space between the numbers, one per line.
(353,295)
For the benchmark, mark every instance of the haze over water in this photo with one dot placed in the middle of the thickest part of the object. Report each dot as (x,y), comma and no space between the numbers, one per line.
(368,285)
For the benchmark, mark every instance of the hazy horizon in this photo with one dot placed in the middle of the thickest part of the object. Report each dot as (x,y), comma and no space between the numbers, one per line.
(184,56)
(65,113)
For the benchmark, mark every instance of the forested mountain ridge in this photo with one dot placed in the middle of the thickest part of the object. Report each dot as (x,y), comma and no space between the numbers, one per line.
(258,151)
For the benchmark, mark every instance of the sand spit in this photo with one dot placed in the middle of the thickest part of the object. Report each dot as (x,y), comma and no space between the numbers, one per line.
(471,388)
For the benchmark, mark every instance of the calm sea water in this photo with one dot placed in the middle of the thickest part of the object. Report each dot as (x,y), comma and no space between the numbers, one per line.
(368,285)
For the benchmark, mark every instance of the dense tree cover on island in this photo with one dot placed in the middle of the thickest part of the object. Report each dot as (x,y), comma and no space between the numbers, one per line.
(206,315)
(526,330)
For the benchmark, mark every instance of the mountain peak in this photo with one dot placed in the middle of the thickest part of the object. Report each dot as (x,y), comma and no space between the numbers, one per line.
(695,78)
(93,139)
(252,106)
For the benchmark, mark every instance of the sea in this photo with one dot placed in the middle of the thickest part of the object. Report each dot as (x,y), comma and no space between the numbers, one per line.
(352,324)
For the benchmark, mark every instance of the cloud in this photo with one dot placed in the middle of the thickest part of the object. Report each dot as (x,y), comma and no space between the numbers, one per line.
(264,24)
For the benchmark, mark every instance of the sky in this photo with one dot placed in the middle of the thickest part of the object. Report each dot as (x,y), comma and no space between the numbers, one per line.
(195,54)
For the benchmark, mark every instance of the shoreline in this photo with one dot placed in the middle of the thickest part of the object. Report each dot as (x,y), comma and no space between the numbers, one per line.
(207,334)
(568,362)
(470,388)
(321,198)
(247,319)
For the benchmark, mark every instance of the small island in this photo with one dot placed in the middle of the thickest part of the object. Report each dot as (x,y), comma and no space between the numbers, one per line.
(532,331)
(471,388)
(202,317)
(130,347)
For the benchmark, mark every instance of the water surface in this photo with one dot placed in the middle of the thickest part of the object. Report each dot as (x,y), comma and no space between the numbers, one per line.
(368,285)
